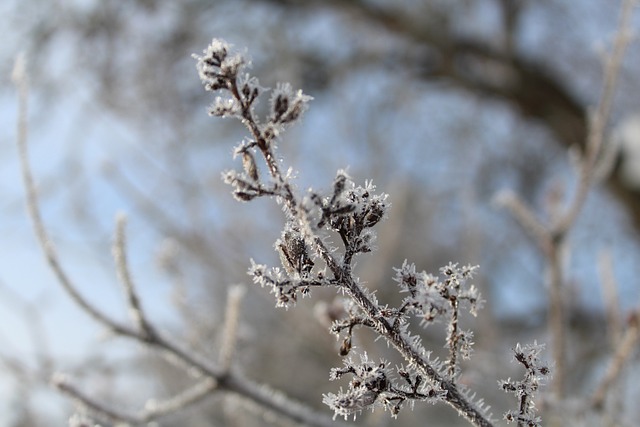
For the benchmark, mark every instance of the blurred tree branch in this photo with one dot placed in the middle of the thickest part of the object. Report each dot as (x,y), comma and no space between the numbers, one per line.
(486,69)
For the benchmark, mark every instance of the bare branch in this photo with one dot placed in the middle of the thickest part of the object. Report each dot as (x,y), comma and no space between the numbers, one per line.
(21,81)
(609,287)
(154,408)
(120,256)
(230,328)
(525,216)
(598,119)
(623,352)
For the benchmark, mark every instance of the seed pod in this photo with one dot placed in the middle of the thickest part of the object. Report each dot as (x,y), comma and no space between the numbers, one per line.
(374,215)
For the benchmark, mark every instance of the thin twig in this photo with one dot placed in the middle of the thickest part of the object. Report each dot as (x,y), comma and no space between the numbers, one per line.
(587,176)
(556,316)
(525,217)
(609,287)
(122,267)
(230,328)
(624,350)
(153,409)
(21,81)
(599,118)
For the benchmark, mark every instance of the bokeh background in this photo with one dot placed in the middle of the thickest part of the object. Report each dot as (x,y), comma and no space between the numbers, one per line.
(442,103)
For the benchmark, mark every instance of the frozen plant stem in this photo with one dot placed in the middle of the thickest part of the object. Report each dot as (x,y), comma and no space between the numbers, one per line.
(220,72)
(536,373)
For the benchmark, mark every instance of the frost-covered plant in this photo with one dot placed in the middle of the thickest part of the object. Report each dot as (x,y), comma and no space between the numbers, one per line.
(536,372)
(308,260)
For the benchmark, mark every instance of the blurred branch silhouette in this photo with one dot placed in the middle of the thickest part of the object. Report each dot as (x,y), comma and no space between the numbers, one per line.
(210,377)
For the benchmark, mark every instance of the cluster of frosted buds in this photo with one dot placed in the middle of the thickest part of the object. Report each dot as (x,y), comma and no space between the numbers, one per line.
(287,105)
(294,254)
(216,67)
(351,211)
(296,276)
(372,385)
(220,70)
(247,184)
(431,297)
(369,381)
(286,287)
(536,371)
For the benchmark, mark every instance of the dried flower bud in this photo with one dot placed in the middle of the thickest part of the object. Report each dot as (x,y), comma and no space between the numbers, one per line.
(375,213)
(345,348)
(286,105)
(249,165)
(294,255)
(243,196)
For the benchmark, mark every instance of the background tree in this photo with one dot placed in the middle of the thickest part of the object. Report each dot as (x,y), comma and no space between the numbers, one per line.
(441,103)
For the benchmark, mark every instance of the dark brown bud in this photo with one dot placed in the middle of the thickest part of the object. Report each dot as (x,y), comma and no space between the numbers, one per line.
(345,348)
